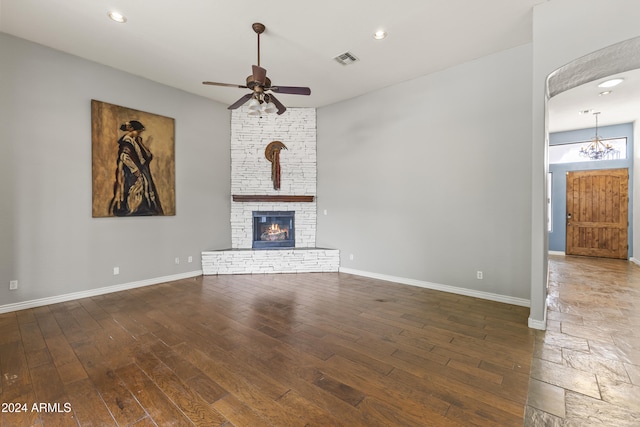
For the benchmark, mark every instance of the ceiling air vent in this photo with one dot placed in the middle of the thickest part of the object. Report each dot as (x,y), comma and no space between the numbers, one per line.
(346,58)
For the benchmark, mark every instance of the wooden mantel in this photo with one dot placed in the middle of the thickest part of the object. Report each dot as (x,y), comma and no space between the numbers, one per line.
(275,198)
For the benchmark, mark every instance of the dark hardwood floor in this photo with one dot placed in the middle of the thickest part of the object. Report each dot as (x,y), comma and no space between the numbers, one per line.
(326,349)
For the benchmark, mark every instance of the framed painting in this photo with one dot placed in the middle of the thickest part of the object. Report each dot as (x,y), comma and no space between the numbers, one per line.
(133,162)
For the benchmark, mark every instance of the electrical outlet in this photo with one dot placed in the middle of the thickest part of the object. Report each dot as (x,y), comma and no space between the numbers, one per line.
(177,260)
(116,271)
(13,285)
(190,259)
(479,275)
(350,257)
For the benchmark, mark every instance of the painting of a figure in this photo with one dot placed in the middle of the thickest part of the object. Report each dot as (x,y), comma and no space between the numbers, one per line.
(133,162)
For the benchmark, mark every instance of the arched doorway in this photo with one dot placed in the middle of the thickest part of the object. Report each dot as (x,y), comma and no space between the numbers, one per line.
(617,58)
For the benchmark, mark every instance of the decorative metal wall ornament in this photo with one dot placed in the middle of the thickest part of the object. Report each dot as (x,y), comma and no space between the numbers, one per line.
(272,153)
(597,150)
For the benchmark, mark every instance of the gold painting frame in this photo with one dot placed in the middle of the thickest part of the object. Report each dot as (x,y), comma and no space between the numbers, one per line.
(133,162)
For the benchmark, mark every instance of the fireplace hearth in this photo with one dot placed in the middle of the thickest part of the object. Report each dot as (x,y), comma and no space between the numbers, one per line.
(273,229)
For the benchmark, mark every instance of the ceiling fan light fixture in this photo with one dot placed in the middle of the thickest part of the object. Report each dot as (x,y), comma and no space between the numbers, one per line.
(254,105)
(270,108)
(611,83)
(255,112)
(117,17)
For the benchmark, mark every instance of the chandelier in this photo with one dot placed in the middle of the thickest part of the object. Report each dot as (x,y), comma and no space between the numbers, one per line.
(596,149)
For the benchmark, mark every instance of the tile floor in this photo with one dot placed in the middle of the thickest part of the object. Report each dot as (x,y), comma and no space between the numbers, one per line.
(586,366)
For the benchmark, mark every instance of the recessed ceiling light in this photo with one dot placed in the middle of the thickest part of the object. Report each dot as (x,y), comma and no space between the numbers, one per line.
(611,83)
(117,16)
(379,35)
(606,92)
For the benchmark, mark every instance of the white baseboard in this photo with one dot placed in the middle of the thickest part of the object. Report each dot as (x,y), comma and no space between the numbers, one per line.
(542,324)
(632,259)
(538,324)
(7,308)
(557,253)
(438,287)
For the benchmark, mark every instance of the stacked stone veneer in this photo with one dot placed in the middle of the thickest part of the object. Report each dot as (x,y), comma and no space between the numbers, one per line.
(251,175)
(251,171)
(245,261)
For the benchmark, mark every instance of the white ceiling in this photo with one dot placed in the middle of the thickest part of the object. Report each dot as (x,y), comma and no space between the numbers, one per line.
(181,44)
(184,43)
(622,105)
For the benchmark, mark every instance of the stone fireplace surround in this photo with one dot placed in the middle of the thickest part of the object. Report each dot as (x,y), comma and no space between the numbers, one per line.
(252,190)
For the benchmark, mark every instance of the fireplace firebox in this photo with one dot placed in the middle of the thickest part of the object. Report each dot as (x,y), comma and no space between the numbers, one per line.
(273,229)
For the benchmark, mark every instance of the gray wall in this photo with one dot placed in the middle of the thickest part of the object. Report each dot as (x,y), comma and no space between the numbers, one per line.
(430,179)
(48,239)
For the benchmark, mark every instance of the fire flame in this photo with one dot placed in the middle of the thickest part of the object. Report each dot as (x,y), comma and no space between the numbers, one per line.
(274,229)
(274,232)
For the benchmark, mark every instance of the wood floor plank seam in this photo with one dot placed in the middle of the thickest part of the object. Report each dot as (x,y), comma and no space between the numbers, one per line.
(276,350)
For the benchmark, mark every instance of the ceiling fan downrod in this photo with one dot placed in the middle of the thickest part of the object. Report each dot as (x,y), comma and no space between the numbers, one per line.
(259,29)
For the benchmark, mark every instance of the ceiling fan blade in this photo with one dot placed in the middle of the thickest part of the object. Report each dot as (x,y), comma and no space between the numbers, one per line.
(259,74)
(293,90)
(281,108)
(224,84)
(240,101)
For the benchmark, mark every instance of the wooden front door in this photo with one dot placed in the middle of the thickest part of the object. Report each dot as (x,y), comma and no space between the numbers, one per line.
(597,213)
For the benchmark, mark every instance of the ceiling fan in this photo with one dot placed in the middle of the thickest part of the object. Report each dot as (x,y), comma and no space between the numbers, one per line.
(261,88)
